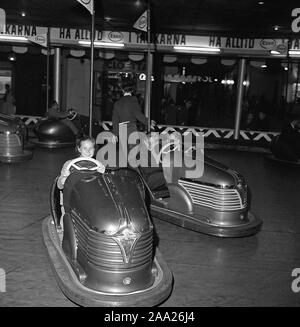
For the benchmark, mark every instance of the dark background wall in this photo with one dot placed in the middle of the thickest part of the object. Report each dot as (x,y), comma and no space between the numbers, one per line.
(30,71)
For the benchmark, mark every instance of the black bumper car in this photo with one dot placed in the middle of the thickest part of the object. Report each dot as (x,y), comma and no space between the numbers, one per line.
(13,137)
(103,253)
(54,133)
(285,151)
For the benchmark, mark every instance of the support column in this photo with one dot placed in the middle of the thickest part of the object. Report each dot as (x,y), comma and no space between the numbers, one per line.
(56,74)
(239,99)
(148,88)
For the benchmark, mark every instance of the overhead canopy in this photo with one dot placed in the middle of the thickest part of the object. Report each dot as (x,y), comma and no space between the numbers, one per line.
(200,17)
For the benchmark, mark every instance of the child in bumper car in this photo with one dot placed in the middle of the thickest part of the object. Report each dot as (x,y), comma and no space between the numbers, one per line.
(158,177)
(85,147)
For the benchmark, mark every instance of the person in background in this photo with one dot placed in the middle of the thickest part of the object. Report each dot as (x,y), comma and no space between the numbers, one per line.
(262,123)
(127,111)
(55,112)
(170,111)
(183,112)
(8,106)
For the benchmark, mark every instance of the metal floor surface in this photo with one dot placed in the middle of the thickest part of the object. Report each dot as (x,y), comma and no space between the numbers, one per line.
(208,271)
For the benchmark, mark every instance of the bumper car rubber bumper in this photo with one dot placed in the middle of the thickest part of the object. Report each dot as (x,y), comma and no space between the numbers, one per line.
(52,144)
(202,226)
(78,293)
(14,158)
(273,159)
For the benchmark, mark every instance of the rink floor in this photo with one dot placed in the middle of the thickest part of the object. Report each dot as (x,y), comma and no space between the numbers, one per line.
(208,271)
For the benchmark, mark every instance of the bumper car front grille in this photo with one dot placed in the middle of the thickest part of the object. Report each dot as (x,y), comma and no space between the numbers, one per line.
(103,251)
(10,144)
(228,199)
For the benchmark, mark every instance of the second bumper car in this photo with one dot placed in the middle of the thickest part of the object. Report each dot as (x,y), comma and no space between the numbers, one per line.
(216,204)
(54,133)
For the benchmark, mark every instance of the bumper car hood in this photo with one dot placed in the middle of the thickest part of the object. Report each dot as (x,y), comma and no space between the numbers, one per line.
(219,175)
(107,202)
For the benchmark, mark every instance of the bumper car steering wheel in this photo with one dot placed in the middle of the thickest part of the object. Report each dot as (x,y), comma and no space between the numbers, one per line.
(85,163)
(72,114)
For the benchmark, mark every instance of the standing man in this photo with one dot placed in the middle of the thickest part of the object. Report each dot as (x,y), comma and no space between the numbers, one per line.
(127,111)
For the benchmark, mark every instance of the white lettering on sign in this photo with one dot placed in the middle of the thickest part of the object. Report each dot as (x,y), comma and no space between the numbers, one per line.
(296,22)
(296,282)
(142,77)
(2,280)
(118,65)
(188,78)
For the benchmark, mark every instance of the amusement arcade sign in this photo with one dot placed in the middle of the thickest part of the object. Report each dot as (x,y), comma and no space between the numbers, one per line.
(162,41)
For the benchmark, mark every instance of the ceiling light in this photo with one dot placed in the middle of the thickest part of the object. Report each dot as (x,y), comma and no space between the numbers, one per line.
(23,13)
(261,3)
(263,66)
(12,57)
(276,28)
(198,49)
(285,68)
(13,38)
(102,44)
(294,52)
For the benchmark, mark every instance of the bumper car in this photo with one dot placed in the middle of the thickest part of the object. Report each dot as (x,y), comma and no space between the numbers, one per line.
(217,203)
(53,133)
(214,204)
(283,152)
(13,137)
(102,251)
